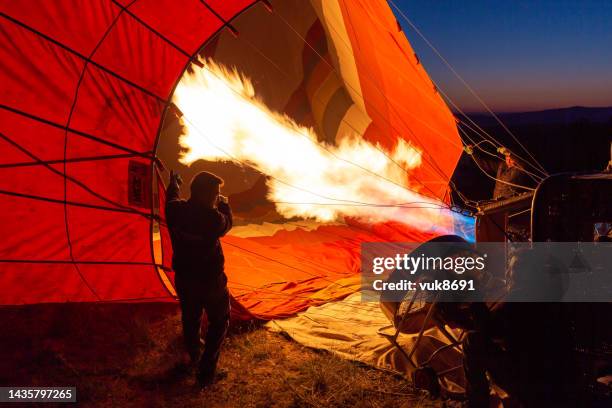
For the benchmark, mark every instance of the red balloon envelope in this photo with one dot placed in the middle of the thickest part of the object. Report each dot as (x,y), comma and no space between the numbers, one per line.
(85,88)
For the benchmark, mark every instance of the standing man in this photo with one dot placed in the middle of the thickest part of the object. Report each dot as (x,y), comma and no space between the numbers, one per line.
(524,347)
(195,227)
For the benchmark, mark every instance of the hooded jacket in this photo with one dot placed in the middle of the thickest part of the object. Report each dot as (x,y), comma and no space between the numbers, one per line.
(195,231)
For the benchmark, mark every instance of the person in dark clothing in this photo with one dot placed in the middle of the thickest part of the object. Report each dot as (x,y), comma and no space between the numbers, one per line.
(524,347)
(195,227)
(509,173)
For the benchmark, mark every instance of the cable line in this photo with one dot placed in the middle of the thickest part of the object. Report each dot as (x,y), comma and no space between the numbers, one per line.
(485,135)
(434,165)
(400,205)
(435,50)
(343,119)
(313,142)
(501,181)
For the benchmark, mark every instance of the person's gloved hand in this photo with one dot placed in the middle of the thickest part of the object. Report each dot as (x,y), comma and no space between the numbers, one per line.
(175,178)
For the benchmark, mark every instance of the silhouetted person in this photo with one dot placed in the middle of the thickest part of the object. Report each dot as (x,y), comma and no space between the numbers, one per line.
(509,173)
(195,228)
(524,347)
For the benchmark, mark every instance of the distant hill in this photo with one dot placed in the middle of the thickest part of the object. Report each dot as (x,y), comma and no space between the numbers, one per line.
(562,116)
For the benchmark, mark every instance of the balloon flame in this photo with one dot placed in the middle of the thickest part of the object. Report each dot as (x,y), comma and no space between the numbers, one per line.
(225,121)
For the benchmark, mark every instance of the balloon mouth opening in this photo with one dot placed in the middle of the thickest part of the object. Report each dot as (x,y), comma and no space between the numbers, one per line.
(293,134)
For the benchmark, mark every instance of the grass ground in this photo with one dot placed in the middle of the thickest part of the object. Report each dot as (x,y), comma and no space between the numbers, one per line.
(131,355)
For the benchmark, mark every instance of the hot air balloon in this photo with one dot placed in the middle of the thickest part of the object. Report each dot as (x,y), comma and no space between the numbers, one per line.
(87,87)
(318,115)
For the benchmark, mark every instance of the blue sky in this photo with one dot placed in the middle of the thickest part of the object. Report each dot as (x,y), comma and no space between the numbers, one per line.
(517,55)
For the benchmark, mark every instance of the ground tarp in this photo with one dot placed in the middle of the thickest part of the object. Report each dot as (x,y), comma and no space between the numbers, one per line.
(349,329)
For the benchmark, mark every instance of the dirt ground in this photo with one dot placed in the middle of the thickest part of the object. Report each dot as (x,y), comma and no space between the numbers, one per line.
(131,355)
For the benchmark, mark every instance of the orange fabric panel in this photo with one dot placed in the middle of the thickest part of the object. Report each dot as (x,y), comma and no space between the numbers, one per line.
(38,77)
(188,26)
(77,74)
(78,25)
(280,275)
(26,236)
(152,65)
(29,283)
(399,96)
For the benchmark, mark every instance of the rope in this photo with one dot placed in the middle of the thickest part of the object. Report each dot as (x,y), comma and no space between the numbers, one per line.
(449,99)
(348,161)
(72,160)
(485,135)
(74,102)
(533,176)
(468,118)
(343,119)
(75,132)
(435,50)
(428,96)
(39,161)
(496,179)
(432,163)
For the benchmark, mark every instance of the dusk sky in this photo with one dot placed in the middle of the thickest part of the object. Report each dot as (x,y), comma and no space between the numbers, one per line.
(517,55)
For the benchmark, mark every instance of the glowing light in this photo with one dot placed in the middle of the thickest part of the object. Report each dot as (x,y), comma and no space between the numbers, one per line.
(225,121)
